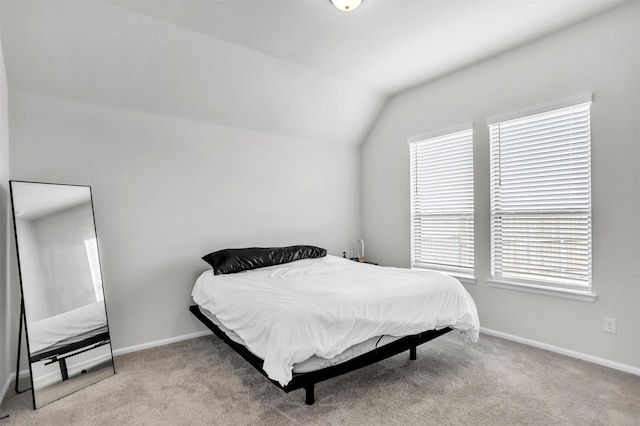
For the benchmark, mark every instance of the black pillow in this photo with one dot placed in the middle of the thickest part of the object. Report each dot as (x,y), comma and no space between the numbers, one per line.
(229,261)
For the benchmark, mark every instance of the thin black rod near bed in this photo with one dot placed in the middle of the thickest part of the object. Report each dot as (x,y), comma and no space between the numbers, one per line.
(308,380)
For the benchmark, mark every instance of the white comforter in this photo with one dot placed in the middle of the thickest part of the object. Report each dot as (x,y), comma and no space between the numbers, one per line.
(49,331)
(288,313)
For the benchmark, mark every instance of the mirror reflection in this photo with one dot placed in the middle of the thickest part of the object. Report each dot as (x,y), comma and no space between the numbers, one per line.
(66,323)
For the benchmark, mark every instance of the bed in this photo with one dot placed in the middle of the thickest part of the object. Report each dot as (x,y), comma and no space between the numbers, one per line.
(303,316)
(62,336)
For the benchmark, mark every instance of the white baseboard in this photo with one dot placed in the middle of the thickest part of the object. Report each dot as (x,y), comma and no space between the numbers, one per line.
(562,351)
(156,343)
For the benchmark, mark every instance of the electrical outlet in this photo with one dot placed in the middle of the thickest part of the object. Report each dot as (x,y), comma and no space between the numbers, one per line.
(610,325)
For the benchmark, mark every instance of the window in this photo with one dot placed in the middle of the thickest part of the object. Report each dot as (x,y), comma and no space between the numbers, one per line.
(442,202)
(541,197)
(91,246)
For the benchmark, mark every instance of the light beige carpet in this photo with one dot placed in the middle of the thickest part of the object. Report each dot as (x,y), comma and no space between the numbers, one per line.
(493,382)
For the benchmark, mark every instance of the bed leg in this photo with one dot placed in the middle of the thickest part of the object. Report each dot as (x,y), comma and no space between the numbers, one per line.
(310,398)
(412,353)
(63,369)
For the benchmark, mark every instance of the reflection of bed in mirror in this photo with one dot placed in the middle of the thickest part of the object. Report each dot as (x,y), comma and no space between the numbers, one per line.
(65,335)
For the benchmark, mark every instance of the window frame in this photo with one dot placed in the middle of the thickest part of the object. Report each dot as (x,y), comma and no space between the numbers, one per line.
(93,259)
(462,273)
(545,286)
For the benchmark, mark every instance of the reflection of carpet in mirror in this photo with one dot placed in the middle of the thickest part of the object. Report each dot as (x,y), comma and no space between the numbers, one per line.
(75,383)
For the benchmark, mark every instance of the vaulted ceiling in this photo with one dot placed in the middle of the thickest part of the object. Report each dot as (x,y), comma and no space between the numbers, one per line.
(298,68)
(384,45)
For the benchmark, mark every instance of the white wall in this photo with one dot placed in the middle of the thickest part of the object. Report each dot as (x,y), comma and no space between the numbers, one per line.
(61,240)
(601,56)
(6,324)
(31,270)
(53,262)
(167,191)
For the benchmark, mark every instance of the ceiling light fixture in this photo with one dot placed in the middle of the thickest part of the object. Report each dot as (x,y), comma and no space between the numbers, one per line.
(346,5)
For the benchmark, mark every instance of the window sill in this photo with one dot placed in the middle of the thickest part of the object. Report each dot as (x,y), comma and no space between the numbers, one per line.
(582,296)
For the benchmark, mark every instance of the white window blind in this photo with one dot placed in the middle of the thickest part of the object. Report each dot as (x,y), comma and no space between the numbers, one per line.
(442,203)
(541,198)
(91,246)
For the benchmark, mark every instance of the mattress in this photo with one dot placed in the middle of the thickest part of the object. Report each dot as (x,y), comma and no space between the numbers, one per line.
(314,362)
(67,328)
(286,314)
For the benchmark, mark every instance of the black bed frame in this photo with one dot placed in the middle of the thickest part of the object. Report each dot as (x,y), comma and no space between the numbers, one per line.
(308,380)
(61,354)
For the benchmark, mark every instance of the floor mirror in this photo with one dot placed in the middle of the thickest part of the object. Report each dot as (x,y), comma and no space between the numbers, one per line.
(63,306)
